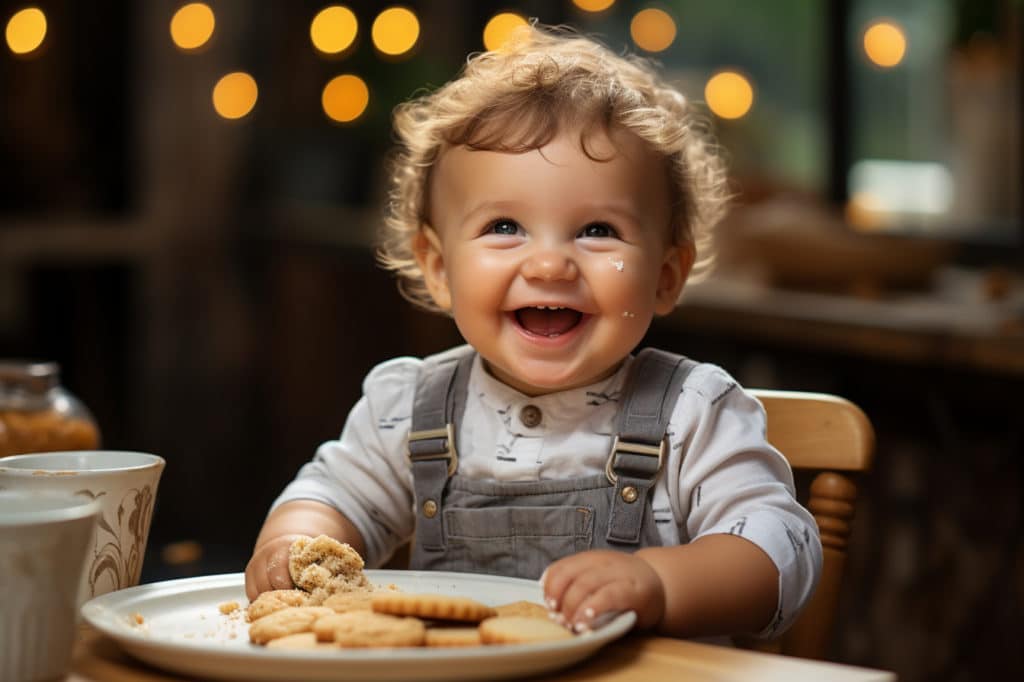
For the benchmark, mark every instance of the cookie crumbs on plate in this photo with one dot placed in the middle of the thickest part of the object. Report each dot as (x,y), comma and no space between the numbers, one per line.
(137,622)
(231,619)
(228,607)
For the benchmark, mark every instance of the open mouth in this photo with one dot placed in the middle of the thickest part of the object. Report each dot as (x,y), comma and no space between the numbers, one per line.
(548,321)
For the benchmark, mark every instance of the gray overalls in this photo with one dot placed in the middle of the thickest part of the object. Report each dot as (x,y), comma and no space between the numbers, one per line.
(517,528)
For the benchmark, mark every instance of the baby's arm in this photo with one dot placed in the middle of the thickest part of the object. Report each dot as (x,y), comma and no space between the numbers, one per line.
(717,584)
(268,567)
(357,489)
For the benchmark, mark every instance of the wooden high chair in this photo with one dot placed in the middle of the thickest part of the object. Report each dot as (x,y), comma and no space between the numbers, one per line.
(830,435)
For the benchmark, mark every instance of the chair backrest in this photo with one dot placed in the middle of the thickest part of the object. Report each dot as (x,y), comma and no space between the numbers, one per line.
(832,436)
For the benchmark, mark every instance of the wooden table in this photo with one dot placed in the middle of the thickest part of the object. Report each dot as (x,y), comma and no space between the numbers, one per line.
(97,658)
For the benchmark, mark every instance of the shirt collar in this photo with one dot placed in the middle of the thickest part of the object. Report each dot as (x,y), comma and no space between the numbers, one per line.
(571,405)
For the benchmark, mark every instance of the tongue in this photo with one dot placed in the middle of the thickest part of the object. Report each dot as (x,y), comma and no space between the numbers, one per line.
(548,322)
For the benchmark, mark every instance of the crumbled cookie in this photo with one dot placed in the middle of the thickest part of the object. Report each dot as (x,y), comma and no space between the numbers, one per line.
(287,621)
(453,636)
(431,606)
(323,566)
(522,608)
(275,600)
(520,629)
(363,629)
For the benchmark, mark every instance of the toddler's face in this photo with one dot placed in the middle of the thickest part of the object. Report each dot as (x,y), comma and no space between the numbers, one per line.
(553,264)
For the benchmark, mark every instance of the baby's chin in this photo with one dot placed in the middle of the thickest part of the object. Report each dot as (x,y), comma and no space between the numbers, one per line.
(540,379)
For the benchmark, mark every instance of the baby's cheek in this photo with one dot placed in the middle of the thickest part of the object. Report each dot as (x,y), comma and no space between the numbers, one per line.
(629,268)
(632,297)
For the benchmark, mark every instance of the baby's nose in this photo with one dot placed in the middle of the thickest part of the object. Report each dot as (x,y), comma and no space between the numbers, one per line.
(550,264)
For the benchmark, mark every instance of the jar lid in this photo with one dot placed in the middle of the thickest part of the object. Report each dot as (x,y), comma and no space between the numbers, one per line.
(35,377)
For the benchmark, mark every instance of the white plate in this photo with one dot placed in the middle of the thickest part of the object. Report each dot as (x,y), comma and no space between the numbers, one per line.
(183,630)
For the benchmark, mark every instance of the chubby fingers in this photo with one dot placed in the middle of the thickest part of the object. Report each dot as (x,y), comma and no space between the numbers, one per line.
(268,569)
(256,581)
(588,588)
(579,590)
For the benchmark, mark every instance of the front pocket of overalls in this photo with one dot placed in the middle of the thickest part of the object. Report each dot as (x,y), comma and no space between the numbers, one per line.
(515,541)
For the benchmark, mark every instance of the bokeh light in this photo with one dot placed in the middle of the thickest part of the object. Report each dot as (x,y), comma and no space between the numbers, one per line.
(192,25)
(652,30)
(729,94)
(501,28)
(333,29)
(345,98)
(885,43)
(235,95)
(395,31)
(864,212)
(26,30)
(593,5)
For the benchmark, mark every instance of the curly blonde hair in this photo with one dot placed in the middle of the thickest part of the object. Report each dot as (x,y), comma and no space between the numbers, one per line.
(517,99)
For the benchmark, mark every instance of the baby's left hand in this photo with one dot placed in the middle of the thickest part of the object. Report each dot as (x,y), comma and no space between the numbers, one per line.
(583,587)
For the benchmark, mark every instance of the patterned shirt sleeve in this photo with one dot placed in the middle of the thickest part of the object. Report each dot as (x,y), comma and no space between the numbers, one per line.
(731,480)
(364,474)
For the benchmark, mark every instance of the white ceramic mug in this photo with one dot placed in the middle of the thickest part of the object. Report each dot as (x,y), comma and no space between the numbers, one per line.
(44,537)
(124,484)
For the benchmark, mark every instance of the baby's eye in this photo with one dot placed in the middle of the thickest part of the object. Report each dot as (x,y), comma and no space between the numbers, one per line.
(503,226)
(598,231)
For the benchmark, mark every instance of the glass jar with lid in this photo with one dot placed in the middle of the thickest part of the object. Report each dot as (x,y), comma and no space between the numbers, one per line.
(37,414)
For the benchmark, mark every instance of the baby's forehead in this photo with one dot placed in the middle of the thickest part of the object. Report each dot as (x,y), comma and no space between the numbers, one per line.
(568,170)
(600,143)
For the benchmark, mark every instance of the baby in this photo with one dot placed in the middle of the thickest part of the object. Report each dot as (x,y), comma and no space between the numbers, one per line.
(552,200)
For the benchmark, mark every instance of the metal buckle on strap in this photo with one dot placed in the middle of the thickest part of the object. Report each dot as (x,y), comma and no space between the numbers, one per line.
(448,433)
(618,446)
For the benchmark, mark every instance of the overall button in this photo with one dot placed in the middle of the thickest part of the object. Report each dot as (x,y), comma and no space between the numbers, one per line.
(530,415)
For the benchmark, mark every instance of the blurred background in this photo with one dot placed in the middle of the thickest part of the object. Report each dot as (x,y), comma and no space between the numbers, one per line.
(189,194)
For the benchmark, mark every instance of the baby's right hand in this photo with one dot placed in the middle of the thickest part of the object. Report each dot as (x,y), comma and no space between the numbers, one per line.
(268,567)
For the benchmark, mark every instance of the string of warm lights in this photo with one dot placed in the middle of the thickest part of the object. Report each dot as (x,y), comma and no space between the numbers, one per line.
(395,34)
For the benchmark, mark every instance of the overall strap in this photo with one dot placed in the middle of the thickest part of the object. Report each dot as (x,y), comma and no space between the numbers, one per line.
(440,400)
(641,441)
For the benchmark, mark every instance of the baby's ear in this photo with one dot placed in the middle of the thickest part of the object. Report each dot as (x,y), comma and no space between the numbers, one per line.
(426,248)
(675,268)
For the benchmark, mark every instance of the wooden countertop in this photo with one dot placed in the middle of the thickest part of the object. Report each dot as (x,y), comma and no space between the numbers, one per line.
(951,325)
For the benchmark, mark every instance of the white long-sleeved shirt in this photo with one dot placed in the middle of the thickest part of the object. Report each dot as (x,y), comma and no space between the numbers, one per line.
(721,475)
